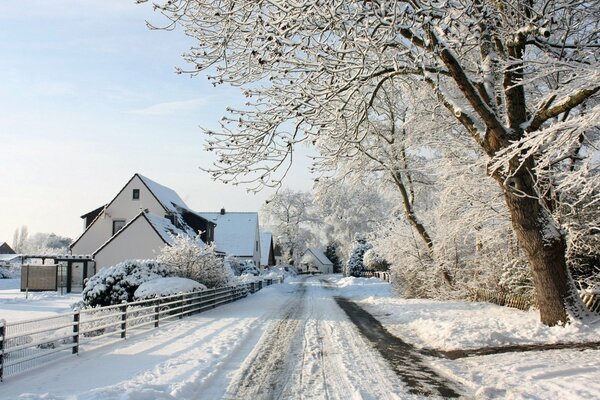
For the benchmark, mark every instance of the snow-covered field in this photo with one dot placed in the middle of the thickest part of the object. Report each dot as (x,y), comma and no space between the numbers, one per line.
(15,307)
(293,341)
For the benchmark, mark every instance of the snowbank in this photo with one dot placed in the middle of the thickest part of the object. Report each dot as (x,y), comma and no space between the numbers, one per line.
(166,287)
(451,325)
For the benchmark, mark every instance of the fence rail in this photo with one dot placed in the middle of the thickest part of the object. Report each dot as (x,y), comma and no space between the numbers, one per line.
(29,344)
(590,300)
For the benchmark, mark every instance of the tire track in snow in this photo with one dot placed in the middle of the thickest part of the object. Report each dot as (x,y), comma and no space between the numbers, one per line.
(267,370)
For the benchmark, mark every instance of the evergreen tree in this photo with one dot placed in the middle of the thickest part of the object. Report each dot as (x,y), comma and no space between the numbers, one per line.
(331,254)
(355,265)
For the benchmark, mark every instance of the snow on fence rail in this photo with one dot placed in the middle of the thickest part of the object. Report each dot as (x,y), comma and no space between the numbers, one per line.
(29,344)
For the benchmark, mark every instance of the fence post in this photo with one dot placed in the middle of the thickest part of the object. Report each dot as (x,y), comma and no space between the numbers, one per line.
(182,307)
(76,318)
(2,339)
(156,315)
(123,321)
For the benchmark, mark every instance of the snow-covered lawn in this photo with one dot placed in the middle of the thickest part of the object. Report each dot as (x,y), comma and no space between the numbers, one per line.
(449,325)
(15,307)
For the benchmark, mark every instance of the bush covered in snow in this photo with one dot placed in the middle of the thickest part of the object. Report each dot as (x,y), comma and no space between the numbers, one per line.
(374,260)
(4,273)
(190,258)
(168,286)
(248,267)
(355,265)
(118,283)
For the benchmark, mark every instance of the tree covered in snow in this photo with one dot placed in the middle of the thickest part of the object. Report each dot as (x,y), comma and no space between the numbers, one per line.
(190,258)
(346,206)
(355,265)
(289,215)
(116,284)
(520,78)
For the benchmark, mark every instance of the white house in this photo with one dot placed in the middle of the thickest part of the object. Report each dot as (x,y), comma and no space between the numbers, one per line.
(236,234)
(137,223)
(315,260)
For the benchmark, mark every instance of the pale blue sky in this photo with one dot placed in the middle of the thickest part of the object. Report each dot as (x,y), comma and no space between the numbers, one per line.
(88,97)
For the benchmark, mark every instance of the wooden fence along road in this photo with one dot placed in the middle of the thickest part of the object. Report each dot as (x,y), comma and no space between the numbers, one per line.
(29,344)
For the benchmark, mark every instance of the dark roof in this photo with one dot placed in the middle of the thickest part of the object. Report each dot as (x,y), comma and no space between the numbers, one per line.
(6,249)
(94,212)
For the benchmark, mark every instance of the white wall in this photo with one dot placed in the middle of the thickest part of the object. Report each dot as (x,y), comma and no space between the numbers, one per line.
(137,241)
(123,207)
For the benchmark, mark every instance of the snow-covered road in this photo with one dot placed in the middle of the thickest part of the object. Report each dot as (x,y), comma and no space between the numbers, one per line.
(286,341)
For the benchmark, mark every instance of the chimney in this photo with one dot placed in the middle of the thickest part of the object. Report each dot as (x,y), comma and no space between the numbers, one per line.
(222,211)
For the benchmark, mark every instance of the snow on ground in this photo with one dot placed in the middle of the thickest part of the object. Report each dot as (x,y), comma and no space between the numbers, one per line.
(449,325)
(287,341)
(292,341)
(551,374)
(15,307)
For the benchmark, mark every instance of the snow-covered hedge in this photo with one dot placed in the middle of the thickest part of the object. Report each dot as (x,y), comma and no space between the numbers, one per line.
(118,283)
(168,286)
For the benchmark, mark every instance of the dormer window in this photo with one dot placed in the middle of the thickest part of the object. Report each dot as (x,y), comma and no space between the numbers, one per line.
(136,194)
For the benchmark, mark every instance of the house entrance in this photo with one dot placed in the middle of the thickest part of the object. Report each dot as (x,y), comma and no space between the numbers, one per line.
(77,276)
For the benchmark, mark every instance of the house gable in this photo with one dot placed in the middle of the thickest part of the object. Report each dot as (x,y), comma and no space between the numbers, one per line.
(121,210)
(139,239)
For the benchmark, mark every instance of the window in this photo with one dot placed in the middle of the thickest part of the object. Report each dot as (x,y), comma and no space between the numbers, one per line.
(118,224)
(136,194)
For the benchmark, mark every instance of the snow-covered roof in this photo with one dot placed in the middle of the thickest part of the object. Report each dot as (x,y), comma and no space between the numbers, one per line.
(165,228)
(167,197)
(320,255)
(235,233)
(9,257)
(265,247)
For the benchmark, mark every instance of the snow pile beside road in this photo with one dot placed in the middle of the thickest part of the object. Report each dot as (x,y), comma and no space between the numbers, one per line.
(465,325)
(361,288)
(166,287)
(451,325)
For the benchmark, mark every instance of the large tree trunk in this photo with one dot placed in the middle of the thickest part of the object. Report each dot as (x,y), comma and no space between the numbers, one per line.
(544,246)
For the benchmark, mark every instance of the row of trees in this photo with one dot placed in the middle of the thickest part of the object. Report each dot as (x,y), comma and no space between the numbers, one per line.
(39,243)
(500,94)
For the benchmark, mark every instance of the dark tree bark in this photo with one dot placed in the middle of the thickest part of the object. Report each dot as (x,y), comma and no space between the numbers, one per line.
(545,249)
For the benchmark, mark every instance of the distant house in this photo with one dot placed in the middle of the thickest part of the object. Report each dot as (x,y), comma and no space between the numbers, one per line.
(267,253)
(315,260)
(236,234)
(6,249)
(137,223)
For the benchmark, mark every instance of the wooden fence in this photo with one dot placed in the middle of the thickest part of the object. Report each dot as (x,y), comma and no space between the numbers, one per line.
(591,300)
(377,274)
(29,344)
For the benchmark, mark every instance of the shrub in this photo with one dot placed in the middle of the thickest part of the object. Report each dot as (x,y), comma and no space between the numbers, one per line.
(372,259)
(190,258)
(116,284)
